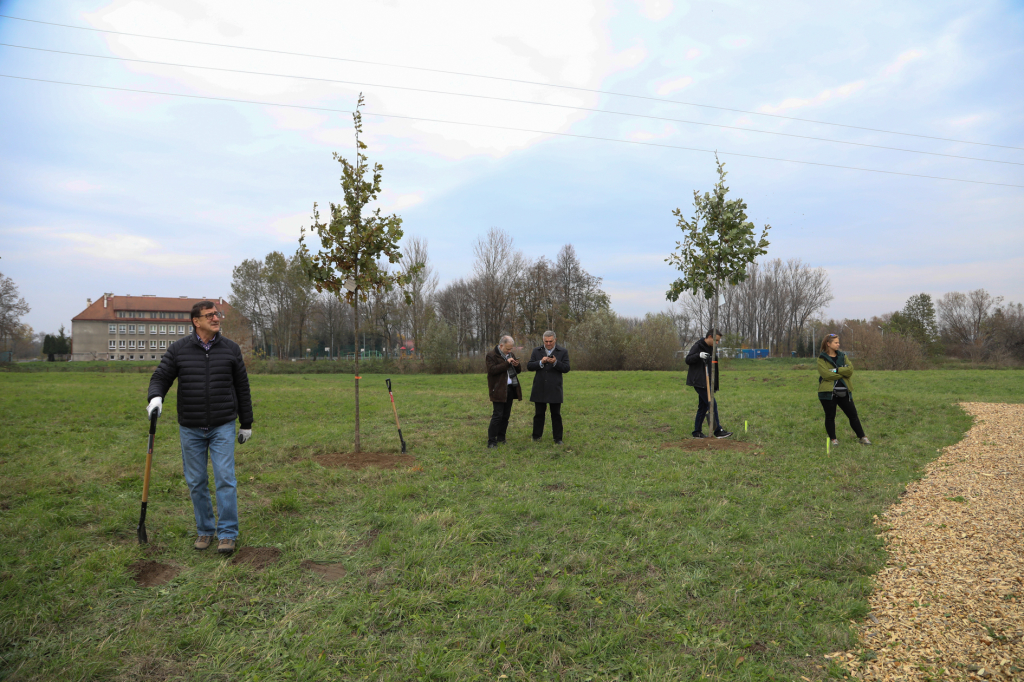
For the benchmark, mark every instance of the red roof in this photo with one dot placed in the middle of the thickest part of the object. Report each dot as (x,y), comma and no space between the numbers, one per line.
(155,304)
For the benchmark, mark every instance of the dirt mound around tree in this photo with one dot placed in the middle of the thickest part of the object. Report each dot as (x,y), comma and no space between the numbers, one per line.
(699,444)
(361,460)
(257,557)
(326,571)
(152,573)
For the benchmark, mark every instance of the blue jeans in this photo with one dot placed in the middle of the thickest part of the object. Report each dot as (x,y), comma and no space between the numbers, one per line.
(220,442)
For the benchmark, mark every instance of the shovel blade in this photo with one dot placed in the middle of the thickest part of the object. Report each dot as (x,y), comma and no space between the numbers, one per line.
(142,535)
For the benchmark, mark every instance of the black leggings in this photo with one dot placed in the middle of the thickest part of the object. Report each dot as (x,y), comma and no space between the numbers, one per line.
(848,408)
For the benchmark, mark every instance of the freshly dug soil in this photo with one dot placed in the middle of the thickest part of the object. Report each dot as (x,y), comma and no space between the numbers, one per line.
(361,460)
(697,444)
(327,571)
(152,573)
(258,557)
(952,593)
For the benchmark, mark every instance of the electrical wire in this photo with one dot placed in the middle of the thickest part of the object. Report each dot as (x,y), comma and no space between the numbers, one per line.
(509,128)
(503,99)
(504,79)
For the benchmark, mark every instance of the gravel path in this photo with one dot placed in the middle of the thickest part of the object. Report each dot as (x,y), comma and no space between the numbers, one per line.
(950,602)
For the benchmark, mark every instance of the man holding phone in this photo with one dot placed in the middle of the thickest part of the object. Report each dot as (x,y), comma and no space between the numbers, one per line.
(550,362)
(503,387)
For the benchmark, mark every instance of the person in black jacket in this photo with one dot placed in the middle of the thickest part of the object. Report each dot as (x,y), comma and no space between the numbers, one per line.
(213,390)
(550,362)
(700,367)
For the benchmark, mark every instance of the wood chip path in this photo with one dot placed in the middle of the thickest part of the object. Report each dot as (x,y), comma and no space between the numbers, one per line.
(949,605)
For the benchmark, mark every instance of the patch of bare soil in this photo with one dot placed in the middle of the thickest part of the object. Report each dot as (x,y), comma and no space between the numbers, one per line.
(152,573)
(951,597)
(258,557)
(361,460)
(327,571)
(698,444)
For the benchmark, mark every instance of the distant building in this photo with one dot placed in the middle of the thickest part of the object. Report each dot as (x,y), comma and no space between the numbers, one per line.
(132,327)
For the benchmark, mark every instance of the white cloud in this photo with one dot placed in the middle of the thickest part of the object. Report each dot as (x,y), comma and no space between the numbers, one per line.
(674,85)
(693,53)
(790,103)
(901,61)
(655,10)
(126,248)
(80,186)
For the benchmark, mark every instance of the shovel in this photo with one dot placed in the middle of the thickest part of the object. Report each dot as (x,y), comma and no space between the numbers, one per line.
(145,480)
(395,410)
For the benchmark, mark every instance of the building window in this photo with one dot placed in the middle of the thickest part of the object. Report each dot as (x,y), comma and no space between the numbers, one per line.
(131,357)
(121,344)
(152,357)
(152,329)
(190,329)
(112,345)
(131,329)
(120,313)
(131,344)
(163,329)
(181,330)
(152,345)
(163,344)
(113,328)
(121,328)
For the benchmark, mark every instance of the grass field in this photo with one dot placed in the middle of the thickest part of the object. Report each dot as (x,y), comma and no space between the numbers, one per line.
(611,557)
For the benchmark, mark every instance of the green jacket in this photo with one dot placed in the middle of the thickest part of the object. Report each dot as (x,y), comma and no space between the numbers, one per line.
(826,376)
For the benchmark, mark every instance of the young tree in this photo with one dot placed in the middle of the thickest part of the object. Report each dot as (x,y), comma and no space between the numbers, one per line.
(718,245)
(353,245)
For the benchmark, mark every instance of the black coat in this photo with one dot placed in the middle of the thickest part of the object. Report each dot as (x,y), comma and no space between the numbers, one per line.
(497,376)
(213,387)
(547,383)
(695,371)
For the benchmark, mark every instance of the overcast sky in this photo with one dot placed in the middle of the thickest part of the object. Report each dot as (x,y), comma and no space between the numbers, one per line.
(130,193)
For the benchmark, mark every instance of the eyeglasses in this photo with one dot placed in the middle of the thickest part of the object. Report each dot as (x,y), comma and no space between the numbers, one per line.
(209,316)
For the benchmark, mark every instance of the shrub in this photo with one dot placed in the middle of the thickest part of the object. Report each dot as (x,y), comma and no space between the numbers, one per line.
(651,343)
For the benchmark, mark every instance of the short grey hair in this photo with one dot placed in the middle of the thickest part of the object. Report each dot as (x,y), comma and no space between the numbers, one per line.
(506,339)
(548,334)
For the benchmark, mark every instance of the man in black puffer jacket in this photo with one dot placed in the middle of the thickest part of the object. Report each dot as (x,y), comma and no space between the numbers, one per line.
(700,367)
(213,390)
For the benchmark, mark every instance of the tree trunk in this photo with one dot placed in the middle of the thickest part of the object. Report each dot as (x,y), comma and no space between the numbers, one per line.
(714,364)
(355,310)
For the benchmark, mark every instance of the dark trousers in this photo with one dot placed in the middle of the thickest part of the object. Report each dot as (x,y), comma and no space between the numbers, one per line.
(848,408)
(702,411)
(556,419)
(499,418)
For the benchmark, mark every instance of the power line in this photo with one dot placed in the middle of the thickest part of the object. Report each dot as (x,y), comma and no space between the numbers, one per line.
(507,80)
(504,99)
(509,128)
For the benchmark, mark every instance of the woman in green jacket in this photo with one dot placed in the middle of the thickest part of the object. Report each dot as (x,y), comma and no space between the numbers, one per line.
(835,388)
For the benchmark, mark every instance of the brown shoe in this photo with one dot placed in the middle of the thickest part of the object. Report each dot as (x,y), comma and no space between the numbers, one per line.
(226,546)
(203,541)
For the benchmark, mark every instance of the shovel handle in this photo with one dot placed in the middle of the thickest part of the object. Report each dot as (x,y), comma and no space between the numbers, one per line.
(149,457)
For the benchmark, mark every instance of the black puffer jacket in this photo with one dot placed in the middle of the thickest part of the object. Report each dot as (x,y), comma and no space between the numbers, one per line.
(213,388)
(695,371)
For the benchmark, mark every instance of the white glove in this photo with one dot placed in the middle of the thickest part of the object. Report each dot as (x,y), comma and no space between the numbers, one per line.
(244,435)
(155,404)
(705,356)
(835,371)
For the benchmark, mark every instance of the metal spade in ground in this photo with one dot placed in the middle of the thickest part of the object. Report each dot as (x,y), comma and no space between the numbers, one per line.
(257,557)
(152,573)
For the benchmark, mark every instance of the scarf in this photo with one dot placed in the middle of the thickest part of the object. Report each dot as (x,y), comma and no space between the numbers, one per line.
(513,379)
